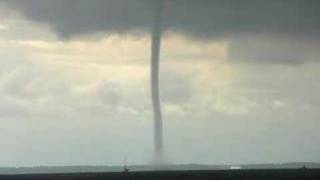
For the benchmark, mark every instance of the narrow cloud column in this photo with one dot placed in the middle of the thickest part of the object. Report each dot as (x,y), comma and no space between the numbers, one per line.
(155,57)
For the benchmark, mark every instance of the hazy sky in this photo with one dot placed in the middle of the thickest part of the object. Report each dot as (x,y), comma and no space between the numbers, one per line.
(239,81)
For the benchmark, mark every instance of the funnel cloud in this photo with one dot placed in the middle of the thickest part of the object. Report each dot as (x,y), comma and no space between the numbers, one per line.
(156,46)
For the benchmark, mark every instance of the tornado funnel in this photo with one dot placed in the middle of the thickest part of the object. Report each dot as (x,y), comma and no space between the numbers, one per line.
(155,57)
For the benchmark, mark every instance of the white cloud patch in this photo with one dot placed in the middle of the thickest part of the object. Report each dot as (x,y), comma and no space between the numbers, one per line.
(4,27)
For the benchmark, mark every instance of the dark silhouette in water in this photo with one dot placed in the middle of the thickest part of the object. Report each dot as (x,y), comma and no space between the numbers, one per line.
(258,174)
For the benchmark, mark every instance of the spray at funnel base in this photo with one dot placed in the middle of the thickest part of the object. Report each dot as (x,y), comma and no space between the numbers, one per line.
(155,57)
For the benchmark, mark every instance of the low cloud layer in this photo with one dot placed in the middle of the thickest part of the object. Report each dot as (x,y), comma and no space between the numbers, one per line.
(200,19)
(285,31)
(274,49)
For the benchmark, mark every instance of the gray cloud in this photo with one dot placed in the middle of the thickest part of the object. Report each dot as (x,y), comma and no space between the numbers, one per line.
(290,27)
(274,49)
(200,19)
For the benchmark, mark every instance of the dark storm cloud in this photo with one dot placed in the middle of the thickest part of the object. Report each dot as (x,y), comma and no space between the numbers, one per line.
(197,18)
(74,17)
(291,26)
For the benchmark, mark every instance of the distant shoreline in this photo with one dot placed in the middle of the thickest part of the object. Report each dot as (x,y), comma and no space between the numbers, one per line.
(274,174)
(146,168)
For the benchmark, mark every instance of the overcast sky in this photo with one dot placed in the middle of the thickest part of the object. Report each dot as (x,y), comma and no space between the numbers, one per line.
(239,81)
